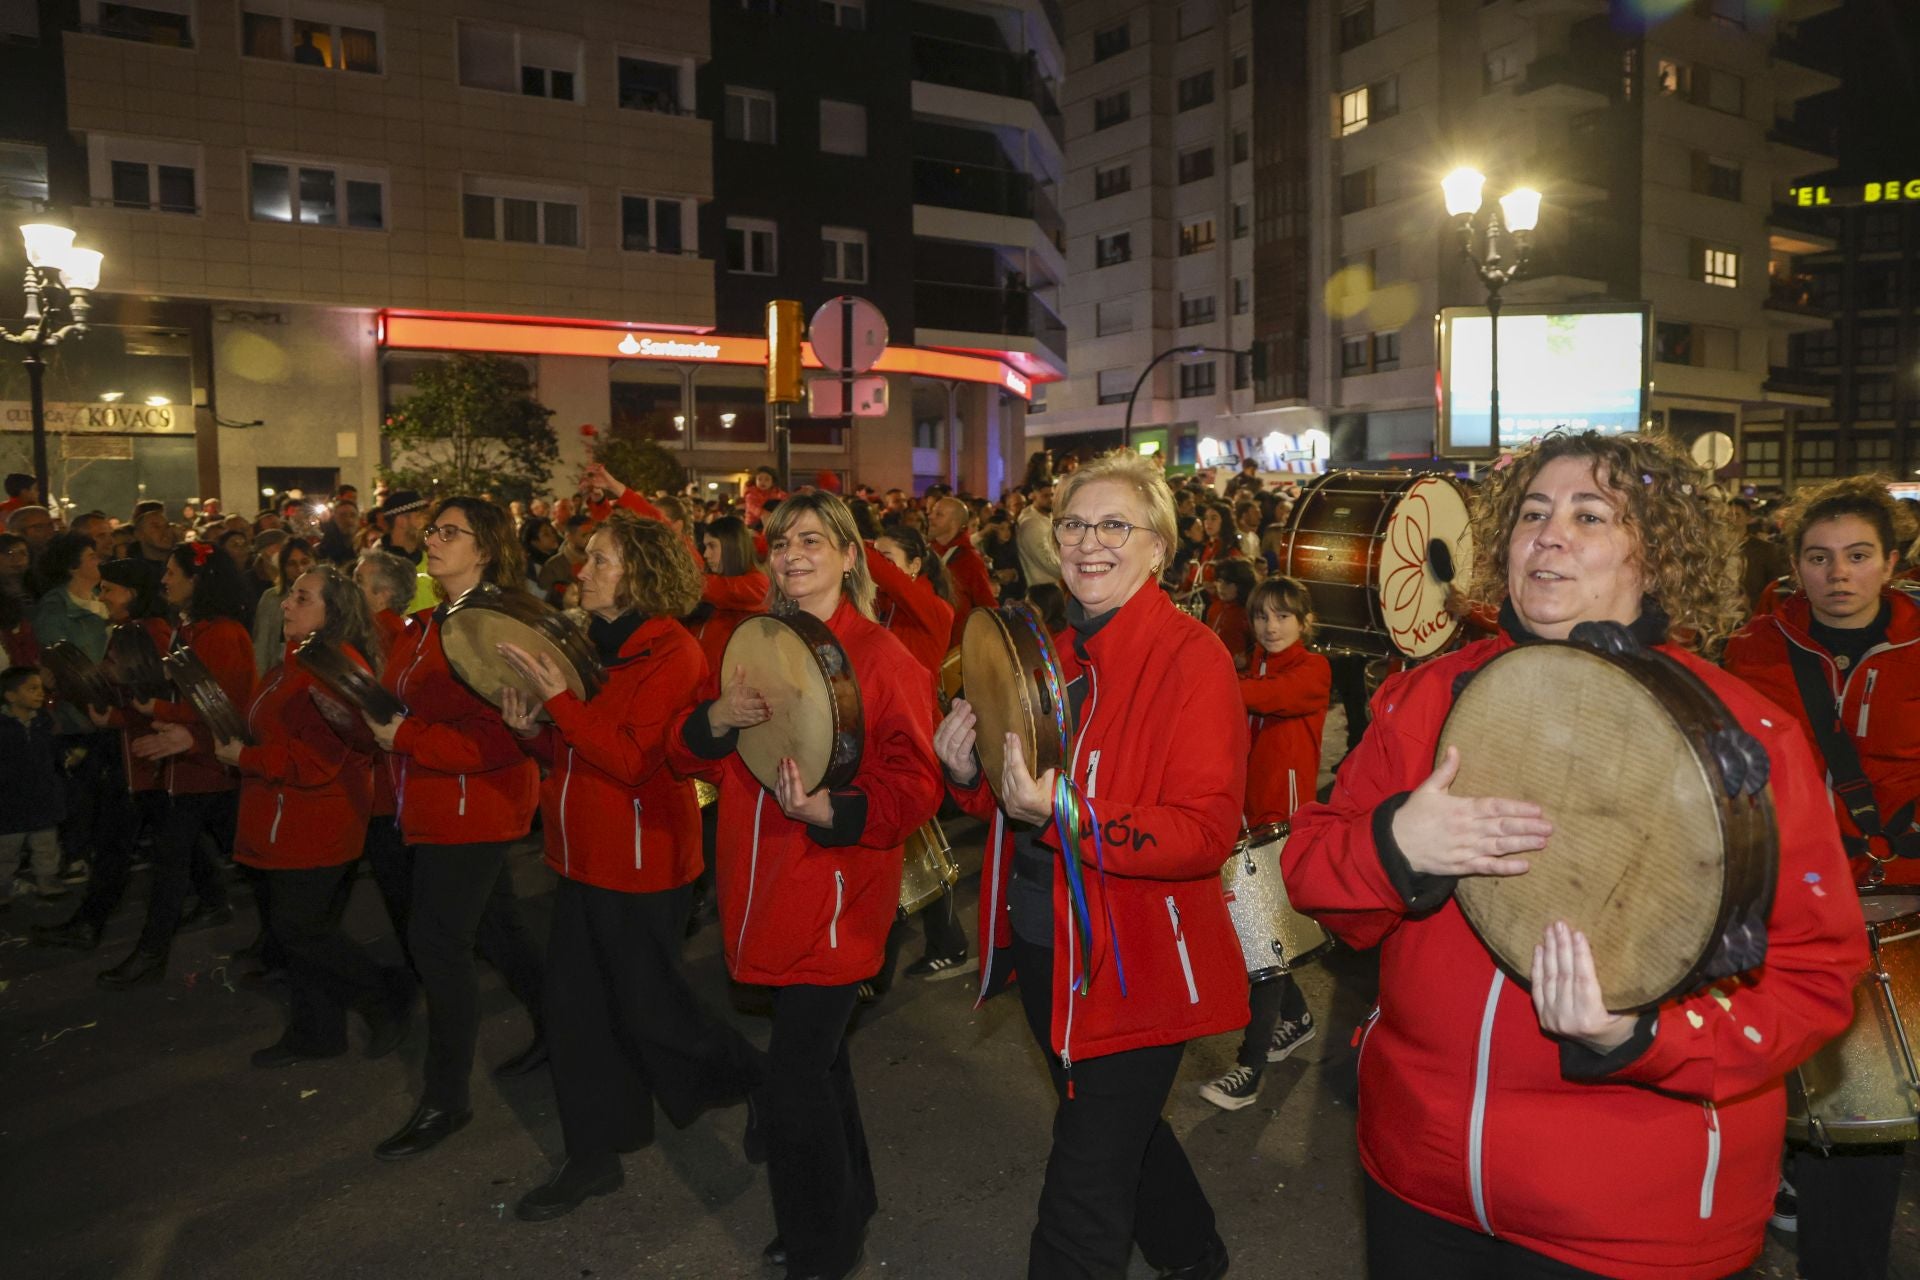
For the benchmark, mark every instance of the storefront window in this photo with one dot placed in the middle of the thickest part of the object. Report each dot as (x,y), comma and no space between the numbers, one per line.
(729,408)
(646,403)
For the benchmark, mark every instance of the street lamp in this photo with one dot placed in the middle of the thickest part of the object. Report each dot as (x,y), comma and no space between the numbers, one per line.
(59,278)
(1518,213)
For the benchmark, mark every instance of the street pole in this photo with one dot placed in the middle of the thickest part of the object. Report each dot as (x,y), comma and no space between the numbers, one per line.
(1126,428)
(36,374)
(783,444)
(1493,389)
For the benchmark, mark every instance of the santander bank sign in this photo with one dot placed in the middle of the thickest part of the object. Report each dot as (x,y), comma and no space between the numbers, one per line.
(669,348)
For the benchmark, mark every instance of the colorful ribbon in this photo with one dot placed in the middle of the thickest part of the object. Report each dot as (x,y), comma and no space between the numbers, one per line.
(1072,827)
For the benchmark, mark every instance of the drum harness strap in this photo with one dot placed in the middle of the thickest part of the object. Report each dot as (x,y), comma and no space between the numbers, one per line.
(1849,778)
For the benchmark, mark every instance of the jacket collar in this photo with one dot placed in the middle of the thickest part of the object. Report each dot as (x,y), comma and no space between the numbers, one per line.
(1794,615)
(1650,628)
(620,639)
(1287,659)
(961,539)
(1119,632)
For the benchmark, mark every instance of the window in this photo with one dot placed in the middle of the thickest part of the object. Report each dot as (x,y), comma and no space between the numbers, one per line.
(1195,90)
(1197,379)
(1815,455)
(313,33)
(1385,97)
(1112,181)
(536,64)
(1242,68)
(1195,164)
(1356,191)
(1111,42)
(1115,386)
(1111,110)
(1872,453)
(1353,114)
(1356,26)
(20,21)
(1818,350)
(1720,90)
(1760,457)
(1873,398)
(1112,250)
(1355,352)
(1879,231)
(1112,317)
(1717,265)
(1716,176)
(653,224)
(1196,234)
(843,255)
(843,128)
(1672,343)
(750,115)
(1876,343)
(145,173)
(752,246)
(1242,295)
(1704,346)
(163,22)
(1242,146)
(1196,16)
(1501,66)
(1196,309)
(1876,288)
(850,14)
(1242,219)
(319,195)
(521,213)
(1386,351)
(647,85)
(1242,370)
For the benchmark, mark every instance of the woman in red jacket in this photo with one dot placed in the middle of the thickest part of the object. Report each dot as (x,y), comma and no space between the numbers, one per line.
(1545,1136)
(1218,543)
(733,590)
(465,793)
(306,788)
(1227,616)
(623,834)
(1121,945)
(207,593)
(1286,691)
(810,883)
(388,582)
(1849,642)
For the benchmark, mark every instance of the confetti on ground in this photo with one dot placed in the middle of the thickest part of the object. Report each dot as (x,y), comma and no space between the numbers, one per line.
(46,1039)
(307,1093)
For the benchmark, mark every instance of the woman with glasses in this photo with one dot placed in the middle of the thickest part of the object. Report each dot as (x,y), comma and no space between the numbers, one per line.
(1120,942)
(465,793)
(810,881)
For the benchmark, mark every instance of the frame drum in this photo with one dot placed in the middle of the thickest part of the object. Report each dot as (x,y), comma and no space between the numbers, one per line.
(1014,685)
(78,680)
(347,680)
(133,661)
(487,617)
(1379,551)
(1274,938)
(209,700)
(806,678)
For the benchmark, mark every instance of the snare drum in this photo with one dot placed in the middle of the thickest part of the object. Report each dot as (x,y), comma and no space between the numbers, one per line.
(1274,938)
(928,869)
(487,617)
(1379,552)
(1863,1087)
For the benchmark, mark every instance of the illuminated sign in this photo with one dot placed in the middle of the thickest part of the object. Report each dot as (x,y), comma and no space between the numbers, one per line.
(1016,383)
(1898,191)
(669,348)
(88,416)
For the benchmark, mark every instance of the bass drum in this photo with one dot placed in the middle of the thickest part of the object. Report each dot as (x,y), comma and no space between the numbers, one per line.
(1379,551)
(928,868)
(1274,938)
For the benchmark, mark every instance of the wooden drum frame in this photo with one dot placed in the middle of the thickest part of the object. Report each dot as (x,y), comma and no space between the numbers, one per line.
(798,666)
(1014,684)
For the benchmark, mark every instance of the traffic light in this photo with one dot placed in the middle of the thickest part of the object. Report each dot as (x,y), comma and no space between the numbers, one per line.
(785,330)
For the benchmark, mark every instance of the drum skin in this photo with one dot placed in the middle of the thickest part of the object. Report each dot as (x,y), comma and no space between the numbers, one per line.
(927,868)
(1014,684)
(1857,1089)
(487,617)
(1670,878)
(1274,938)
(797,665)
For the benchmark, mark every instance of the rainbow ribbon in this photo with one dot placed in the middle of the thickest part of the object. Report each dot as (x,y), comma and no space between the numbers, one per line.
(1068,806)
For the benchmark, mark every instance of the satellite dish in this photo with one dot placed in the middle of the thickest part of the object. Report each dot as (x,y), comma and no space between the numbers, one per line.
(1713,450)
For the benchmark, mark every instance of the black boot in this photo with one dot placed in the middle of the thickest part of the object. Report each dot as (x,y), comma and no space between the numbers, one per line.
(569,1188)
(206,915)
(76,934)
(388,1019)
(424,1130)
(283,1053)
(525,1062)
(141,966)
(1211,1265)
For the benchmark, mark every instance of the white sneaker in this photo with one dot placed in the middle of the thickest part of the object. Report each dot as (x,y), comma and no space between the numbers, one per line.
(1238,1088)
(1289,1036)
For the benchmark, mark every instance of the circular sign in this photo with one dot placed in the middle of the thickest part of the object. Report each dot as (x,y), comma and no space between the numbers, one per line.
(848,334)
(1713,450)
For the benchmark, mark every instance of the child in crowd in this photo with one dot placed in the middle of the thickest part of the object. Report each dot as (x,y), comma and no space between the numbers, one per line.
(1286,689)
(33,800)
(1233,586)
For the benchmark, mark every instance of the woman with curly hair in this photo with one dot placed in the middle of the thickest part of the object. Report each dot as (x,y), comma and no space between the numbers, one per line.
(1535,1133)
(623,834)
(1842,655)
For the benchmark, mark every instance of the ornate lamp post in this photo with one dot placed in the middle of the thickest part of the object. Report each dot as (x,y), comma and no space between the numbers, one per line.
(1517,214)
(59,278)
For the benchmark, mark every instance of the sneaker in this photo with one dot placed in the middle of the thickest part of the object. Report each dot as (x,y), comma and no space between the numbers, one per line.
(1786,1208)
(77,872)
(939,968)
(1238,1088)
(1289,1036)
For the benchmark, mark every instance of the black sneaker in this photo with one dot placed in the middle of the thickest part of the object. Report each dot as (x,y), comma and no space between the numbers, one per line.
(1238,1088)
(1786,1207)
(940,968)
(1289,1036)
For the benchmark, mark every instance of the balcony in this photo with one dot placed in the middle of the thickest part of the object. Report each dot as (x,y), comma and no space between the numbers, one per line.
(1798,71)
(1789,305)
(1791,230)
(1797,150)
(145,26)
(1798,387)
(959,65)
(1561,82)
(1011,312)
(951,184)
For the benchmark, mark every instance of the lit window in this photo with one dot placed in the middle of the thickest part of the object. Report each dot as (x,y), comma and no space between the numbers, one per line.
(318,195)
(313,33)
(1353,111)
(1720,266)
(1196,234)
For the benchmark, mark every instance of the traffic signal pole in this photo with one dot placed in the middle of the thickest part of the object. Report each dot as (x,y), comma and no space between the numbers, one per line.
(1126,429)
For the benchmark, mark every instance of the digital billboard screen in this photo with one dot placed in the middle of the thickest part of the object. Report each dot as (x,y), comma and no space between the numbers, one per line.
(1571,367)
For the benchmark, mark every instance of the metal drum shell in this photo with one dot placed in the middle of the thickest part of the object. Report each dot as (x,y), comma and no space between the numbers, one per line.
(927,868)
(1275,938)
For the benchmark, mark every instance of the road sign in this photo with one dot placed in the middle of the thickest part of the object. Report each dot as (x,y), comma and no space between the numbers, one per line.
(848,334)
(1713,450)
(826,397)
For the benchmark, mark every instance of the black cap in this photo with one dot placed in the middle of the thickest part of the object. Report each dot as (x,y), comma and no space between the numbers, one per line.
(399,502)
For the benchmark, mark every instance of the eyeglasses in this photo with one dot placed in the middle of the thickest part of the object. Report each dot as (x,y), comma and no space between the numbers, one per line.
(1112,534)
(447,532)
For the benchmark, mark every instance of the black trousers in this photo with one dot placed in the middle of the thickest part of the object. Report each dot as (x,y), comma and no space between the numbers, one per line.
(1404,1243)
(175,850)
(623,1026)
(1272,1000)
(122,816)
(1116,1175)
(92,787)
(1350,689)
(1847,1204)
(390,862)
(327,972)
(463,898)
(817,1165)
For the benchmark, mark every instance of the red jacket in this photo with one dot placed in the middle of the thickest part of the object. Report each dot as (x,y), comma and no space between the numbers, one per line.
(755,502)
(387,626)
(1878,702)
(1667,1166)
(1228,620)
(305,794)
(1199,570)
(913,611)
(972,583)
(458,773)
(1286,696)
(734,598)
(799,904)
(646,510)
(614,817)
(226,650)
(1161,757)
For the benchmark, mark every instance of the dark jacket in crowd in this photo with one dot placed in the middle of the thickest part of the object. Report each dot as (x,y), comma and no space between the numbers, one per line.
(34,797)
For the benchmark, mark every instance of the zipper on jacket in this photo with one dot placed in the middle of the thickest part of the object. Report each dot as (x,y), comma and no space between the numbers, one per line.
(1866,701)
(636,833)
(1361,1034)
(839,904)
(1093,771)
(1713,1160)
(566,846)
(400,692)
(1477,1127)
(1180,944)
(1293,791)
(1066,993)
(990,882)
(463,795)
(279,809)
(753,865)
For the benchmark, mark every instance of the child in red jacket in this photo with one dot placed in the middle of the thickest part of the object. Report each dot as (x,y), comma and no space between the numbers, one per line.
(1229,614)
(1286,691)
